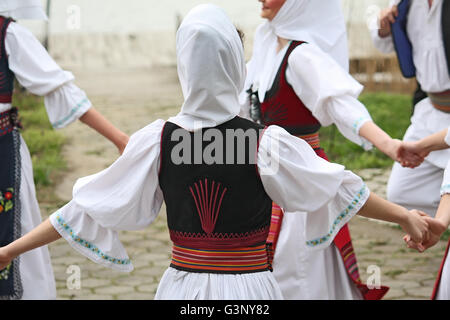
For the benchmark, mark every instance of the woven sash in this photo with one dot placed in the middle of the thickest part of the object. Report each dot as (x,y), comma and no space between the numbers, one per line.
(312,139)
(234,261)
(441,100)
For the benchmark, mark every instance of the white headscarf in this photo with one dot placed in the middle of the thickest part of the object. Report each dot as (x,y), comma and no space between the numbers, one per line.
(22,9)
(211,68)
(320,22)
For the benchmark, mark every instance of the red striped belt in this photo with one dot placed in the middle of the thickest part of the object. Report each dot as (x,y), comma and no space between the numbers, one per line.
(312,139)
(440,100)
(233,261)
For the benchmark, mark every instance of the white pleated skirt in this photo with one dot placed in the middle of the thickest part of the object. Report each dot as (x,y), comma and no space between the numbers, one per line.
(305,274)
(182,285)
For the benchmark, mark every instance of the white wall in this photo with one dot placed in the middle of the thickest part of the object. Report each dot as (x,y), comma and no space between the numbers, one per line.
(140,33)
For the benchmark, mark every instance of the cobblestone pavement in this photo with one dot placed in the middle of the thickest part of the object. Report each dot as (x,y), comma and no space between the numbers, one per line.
(410,275)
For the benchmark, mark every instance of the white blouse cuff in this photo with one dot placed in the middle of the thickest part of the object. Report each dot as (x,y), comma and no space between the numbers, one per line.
(384,45)
(99,244)
(445,189)
(340,212)
(364,143)
(66,105)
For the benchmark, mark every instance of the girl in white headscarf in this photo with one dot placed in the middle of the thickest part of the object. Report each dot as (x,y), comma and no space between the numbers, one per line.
(24,58)
(298,78)
(219,252)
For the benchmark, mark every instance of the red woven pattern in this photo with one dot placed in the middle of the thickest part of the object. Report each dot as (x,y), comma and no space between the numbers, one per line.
(237,260)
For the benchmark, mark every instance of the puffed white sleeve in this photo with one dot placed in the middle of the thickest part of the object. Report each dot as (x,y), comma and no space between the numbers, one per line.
(125,196)
(38,73)
(445,189)
(328,91)
(300,181)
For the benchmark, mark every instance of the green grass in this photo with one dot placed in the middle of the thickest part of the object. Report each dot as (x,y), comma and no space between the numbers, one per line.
(44,143)
(391,112)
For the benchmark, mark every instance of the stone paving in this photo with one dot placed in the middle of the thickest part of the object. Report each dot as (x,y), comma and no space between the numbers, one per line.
(409,274)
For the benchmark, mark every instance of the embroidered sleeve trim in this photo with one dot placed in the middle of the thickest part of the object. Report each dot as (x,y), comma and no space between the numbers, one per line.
(342,218)
(73,114)
(445,189)
(358,123)
(88,245)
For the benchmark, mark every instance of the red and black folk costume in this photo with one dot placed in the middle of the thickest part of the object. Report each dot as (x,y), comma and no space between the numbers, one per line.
(301,87)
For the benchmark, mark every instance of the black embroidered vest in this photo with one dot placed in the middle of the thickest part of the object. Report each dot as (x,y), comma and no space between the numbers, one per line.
(214,204)
(6,75)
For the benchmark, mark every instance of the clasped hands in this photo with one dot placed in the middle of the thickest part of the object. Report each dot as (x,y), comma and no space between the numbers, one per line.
(409,154)
(428,237)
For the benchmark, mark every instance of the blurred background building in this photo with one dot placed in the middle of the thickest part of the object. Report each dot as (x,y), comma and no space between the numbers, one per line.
(141,33)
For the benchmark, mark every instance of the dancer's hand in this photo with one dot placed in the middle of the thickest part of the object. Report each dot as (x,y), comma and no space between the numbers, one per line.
(436,229)
(417,227)
(387,17)
(5,258)
(411,154)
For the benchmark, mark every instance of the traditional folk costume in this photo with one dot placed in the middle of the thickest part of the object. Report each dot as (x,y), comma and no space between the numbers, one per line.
(442,287)
(218,213)
(302,87)
(422,41)
(23,57)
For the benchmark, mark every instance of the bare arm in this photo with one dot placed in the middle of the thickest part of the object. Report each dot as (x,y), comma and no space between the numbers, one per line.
(38,237)
(411,221)
(380,139)
(434,142)
(96,121)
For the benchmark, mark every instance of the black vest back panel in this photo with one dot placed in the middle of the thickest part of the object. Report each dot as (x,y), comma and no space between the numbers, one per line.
(214,204)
